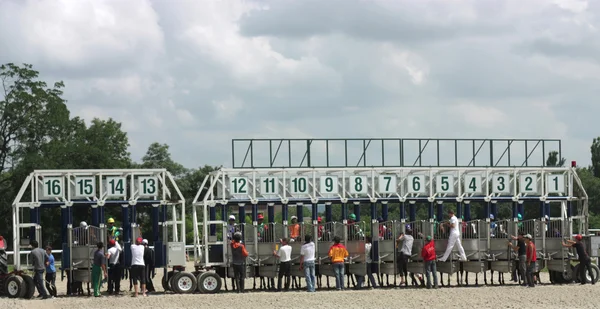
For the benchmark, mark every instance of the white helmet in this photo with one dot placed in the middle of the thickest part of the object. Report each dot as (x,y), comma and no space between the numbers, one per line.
(83,224)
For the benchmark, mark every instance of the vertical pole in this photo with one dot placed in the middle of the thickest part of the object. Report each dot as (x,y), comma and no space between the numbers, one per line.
(242,218)
(300,213)
(515,210)
(271,212)
(467,211)
(315,212)
(101,214)
(357,211)
(344,211)
(126,223)
(384,210)
(459,210)
(440,211)
(95,217)
(155,226)
(284,212)
(254,213)
(403,211)
(63,223)
(569,209)
(430,212)
(412,211)
(521,209)
(486,210)
(494,209)
(328,214)
(542,209)
(547,205)
(373,213)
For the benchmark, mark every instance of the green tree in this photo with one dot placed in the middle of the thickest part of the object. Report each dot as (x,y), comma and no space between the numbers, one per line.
(595,149)
(553,159)
(158,156)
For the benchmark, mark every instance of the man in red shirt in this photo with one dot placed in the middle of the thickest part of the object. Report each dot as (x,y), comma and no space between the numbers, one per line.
(428,254)
(531,255)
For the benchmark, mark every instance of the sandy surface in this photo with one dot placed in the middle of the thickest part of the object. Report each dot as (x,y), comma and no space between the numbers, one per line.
(508,296)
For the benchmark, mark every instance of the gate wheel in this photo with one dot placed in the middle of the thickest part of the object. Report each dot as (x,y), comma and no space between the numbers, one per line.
(15,287)
(209,283)
(596,272)
(183,283)
(29,287)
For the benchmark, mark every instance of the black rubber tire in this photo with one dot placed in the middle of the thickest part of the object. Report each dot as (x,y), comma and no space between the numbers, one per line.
(183,283)
(14,287)
(209,283)
(198,275)
(29,287)
(166,281)
(596,272)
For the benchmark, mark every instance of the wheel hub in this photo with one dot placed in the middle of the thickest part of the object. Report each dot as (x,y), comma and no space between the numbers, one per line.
(210,283)
(184,283)
(13,288)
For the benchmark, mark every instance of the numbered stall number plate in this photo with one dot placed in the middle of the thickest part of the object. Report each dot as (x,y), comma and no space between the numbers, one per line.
(147,186)
(444,184)
(387,184)
(116,186)
(555,183)
(52,187)
(269,185)
(238,185)
(416,184)
(85,186)
(472,184)
(358,185)
(528,183)
(299,185)
(329,185)
(501,183)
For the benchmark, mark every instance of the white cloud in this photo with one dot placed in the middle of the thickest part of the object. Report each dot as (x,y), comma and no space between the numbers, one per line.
(204,72)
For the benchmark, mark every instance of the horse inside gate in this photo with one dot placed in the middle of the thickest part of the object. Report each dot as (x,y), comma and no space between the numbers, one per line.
(83,243)
(329,231)
(387,251)
(415,265)
(500,256)
(355,244)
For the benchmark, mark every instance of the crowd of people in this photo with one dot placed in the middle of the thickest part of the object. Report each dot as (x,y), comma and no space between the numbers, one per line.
(107,267)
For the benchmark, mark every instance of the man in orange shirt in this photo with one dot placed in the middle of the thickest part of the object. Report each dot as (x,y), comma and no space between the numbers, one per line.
(294,229)
(239,255)
(337,255)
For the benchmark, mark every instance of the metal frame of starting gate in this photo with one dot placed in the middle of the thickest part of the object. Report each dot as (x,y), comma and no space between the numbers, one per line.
(98,188)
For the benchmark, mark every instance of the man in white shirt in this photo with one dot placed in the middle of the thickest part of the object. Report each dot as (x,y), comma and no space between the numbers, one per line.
(307,262)
(285,263)
(454,239)
(114,269)
(138,266)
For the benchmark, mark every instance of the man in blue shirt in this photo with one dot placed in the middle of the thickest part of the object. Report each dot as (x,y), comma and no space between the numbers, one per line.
(50,273)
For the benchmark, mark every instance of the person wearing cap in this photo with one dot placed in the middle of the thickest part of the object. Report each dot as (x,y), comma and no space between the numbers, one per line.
(320,228)
(113,231)
(428,255)
(531,256)
(114,267)
(382,228)
(294,229)
(137,267)
(354,230)
(231,227)
(238,256)
(585,263)
(454,239)
(493,226)
(148,266)
(261,228)
(521,251)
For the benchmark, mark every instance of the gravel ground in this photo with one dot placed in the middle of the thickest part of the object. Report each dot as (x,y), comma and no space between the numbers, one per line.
(508,296)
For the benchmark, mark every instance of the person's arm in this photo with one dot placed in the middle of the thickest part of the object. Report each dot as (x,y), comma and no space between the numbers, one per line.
(244,251)
(301,261)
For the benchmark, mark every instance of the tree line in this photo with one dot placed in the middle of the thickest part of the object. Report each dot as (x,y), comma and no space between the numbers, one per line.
(38,132)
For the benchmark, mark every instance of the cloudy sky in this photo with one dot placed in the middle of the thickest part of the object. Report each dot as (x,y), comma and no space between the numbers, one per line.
(195,74)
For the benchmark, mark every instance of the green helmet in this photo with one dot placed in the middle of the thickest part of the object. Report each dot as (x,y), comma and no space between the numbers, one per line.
(352,217)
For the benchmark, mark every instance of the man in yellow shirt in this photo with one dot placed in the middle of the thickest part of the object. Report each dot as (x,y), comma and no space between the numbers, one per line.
(337,254)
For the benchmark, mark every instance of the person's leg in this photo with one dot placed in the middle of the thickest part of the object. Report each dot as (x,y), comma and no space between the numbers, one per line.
(143,280)
(426,270)
(287,273)
(48,280)
(370,271)
(451,241)
(53,284)
(279,276)
(461,250)
(96,280)
(117,278)
(434,271)
(307,276)
(313,278)
(338,270)
(342,274)
(523,268)
(111,279)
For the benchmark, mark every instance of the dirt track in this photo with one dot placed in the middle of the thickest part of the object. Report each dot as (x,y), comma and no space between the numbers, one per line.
(509,296)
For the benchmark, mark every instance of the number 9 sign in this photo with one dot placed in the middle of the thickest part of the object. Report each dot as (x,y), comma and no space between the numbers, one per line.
(329,185)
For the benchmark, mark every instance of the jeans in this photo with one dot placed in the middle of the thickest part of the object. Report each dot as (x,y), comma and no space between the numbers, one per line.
(523,267)
(583,266)
(430,269)
(529,274)
(96,279)
(51,283)
(38,279)
(284,271)
(338,270)
(309,275)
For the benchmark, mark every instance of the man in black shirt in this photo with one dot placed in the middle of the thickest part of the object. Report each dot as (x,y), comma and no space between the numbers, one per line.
(584,259)
(521,251)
